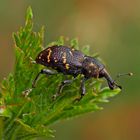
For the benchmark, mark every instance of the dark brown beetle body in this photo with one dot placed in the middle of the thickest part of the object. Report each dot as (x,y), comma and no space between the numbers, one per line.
(72,62)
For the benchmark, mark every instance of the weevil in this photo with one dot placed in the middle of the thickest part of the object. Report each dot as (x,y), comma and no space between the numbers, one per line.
(73,62)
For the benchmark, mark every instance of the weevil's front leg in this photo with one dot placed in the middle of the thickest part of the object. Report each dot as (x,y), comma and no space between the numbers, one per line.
(43,71)
(82,89)
(62,85)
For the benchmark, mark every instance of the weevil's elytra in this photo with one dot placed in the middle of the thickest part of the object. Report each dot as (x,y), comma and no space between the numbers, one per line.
(72,62)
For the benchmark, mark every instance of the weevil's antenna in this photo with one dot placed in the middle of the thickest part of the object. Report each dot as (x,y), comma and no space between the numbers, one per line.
(123,74)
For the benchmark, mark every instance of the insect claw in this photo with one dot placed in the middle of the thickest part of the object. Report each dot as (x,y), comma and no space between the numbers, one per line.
(78,99)
(55,96)
(33,62)
(26,92)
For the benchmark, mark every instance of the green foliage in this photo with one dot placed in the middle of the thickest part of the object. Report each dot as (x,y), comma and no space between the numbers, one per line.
(24,116)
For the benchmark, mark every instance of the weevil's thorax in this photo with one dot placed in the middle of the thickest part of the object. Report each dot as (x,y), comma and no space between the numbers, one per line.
(92,67)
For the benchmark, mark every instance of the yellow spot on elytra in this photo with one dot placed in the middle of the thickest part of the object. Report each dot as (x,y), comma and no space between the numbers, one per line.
(64,58)
(64,61)
(73,49)
(49,54)
(89,71)
(91,64)
(64,55)
(55,60)
(67,66)
(40,56)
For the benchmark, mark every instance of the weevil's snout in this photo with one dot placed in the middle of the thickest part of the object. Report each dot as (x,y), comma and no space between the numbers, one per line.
(111,83)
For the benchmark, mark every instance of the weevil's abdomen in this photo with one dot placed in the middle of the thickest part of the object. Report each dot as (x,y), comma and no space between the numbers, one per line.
(62,58)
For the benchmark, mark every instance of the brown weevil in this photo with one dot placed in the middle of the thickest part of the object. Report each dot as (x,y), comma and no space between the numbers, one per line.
(72,62)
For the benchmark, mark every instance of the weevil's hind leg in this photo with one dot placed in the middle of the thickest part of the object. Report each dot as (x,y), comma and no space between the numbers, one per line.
(62,85)
(43,71)
(82,89)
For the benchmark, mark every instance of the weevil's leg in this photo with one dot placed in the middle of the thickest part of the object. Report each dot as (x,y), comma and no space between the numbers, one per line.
(62,85)
(82,89)
(43,71)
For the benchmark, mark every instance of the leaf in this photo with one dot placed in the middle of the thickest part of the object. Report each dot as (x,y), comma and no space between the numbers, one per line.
(59,42)
(74,43)
(86,49)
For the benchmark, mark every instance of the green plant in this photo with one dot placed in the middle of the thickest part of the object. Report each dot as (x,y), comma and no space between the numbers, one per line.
(25,116)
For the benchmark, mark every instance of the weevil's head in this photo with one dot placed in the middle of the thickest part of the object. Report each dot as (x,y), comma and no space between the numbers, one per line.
(94,68)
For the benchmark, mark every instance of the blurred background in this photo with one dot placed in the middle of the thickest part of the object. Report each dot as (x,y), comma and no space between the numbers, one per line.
(111,28)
